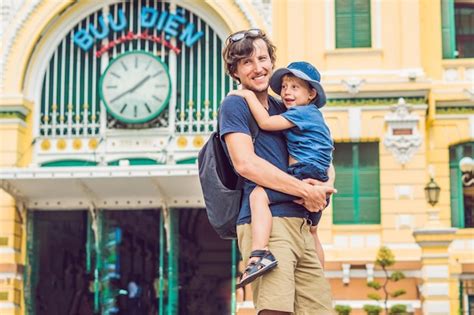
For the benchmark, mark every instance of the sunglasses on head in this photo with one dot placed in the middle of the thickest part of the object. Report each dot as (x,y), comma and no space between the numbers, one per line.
(255,32)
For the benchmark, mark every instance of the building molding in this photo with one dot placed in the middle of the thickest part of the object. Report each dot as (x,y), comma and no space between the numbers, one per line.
(13,121)
(404,145)
(12,34)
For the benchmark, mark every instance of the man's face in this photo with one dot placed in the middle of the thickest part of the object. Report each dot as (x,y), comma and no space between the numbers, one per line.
(255,70)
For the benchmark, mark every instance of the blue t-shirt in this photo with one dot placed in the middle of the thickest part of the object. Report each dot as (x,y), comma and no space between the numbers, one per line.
(271,146)
(310,140)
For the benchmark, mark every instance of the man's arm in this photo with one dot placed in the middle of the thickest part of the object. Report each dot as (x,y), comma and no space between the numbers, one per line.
(264,120)
(263,173)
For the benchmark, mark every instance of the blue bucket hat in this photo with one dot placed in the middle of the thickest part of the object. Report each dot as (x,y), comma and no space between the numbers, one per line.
(302,70)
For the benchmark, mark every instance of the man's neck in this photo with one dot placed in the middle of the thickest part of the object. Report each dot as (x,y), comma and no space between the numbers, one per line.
(263,98)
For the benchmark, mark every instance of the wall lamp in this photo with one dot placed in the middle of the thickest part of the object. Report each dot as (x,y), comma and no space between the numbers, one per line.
(432,191)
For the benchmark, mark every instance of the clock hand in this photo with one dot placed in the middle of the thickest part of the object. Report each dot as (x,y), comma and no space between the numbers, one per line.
(119,96)
(140,83)
(136,86)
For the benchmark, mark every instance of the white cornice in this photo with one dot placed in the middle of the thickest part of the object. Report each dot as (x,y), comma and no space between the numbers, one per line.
(13,121)
(368,107)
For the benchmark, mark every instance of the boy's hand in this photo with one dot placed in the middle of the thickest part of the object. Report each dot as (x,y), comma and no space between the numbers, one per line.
(316,201)
(315,182)
(242,93)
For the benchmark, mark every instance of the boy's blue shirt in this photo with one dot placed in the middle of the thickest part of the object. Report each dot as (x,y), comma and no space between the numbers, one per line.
(271,146)
(310,140)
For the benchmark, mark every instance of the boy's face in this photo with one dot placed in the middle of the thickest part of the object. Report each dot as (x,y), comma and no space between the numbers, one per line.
(255,70)
(295,91)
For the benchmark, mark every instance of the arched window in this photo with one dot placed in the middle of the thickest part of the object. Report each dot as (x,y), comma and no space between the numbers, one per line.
(461,186)
(182,40)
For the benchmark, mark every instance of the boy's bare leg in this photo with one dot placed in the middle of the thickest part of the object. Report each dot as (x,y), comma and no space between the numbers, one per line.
(261,260)
(261,218)
(317,244)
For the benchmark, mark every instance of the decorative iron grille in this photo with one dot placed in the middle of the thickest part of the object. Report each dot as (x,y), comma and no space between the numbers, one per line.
(70,102)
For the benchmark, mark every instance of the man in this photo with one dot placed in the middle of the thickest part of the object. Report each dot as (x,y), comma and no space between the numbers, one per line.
(297,285)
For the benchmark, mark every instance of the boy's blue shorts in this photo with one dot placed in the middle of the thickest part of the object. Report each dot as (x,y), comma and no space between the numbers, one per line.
(301,171)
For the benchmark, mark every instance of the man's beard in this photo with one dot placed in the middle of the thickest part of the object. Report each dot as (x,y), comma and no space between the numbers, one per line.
(260,90)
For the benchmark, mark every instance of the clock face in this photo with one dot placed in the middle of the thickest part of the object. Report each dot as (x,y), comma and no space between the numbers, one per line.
(135,87)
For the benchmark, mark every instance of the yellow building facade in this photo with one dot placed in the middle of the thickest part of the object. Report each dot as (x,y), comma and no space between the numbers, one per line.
(95,197)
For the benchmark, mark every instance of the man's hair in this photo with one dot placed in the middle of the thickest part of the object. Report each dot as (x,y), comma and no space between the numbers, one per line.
(234,51)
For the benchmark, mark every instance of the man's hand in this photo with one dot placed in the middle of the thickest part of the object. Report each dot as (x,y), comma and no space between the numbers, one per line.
(318,192)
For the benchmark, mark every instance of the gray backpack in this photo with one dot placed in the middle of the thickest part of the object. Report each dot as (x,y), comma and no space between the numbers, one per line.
(220,184)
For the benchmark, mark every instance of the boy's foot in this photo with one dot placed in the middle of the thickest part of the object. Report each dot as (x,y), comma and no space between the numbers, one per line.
(263,262)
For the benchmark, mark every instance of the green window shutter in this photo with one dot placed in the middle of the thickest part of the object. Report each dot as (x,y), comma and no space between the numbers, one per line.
(358,184)
(448,29)
(369,199)
(456,196)
(353,27)
(344,31)
(343,202)
(361,24)
(343,206)
(369,183)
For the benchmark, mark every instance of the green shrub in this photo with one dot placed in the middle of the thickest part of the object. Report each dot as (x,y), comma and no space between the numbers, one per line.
(372,309)
(398,309)
(343,309)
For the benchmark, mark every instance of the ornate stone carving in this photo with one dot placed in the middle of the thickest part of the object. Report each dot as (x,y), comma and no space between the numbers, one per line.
(15,23)
(403,138)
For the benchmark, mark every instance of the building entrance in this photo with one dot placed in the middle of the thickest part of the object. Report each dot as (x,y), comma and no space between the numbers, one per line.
(130,262)
(205,263)
(59,275)
(126,262)
(141,264)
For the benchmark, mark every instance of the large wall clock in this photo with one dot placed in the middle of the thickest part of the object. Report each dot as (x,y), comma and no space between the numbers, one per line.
(135,87)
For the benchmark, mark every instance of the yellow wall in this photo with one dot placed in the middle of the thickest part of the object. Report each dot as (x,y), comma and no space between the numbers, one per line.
(404,37)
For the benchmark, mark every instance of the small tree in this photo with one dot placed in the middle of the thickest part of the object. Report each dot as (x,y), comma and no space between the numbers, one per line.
(372,309)
(385,259)
(397,309)
(343,309)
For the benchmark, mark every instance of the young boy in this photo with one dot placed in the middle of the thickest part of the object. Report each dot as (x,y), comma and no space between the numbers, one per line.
(310,153)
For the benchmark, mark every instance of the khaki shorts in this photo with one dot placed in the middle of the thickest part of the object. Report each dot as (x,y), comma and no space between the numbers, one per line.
(297,285)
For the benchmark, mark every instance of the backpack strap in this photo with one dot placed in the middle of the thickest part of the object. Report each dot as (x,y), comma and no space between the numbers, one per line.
(254,130)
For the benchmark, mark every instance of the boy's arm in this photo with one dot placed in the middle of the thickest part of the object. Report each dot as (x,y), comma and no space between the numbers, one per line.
(331,175)
(264,120)
(263,173)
